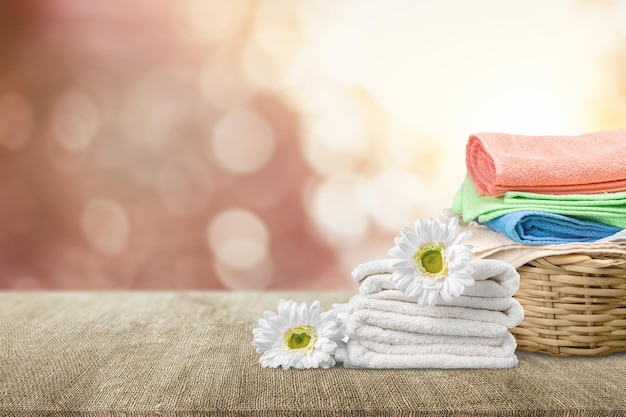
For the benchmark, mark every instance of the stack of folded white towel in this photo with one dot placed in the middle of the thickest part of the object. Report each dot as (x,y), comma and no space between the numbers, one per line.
(387,329)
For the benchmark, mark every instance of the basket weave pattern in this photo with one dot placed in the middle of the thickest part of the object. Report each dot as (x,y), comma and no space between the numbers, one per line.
(573,305)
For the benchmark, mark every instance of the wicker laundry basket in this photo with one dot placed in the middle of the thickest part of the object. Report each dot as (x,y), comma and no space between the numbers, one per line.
(573,305)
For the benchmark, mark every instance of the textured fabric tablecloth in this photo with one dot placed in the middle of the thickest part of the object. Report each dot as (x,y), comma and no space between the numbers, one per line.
(189,354)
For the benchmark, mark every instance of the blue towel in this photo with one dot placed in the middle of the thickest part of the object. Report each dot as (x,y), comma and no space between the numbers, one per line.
(543,228)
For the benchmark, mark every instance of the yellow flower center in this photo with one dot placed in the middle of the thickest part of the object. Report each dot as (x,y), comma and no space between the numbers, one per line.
(300,339)
(431,261)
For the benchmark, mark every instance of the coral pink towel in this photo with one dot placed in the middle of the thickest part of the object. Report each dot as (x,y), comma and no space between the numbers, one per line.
(590,163)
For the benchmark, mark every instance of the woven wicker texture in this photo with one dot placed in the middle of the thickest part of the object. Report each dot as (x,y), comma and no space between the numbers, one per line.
(189,354)
(574,305)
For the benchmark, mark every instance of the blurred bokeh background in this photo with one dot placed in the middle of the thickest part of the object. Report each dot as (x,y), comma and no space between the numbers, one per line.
(268,144)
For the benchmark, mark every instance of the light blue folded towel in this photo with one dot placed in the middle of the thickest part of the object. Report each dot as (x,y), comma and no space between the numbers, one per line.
(543,228)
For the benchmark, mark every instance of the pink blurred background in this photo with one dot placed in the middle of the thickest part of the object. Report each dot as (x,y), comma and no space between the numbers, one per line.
(242,144)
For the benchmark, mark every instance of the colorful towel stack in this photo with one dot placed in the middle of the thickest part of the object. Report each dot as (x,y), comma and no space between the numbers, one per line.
(387,329)
(559,193)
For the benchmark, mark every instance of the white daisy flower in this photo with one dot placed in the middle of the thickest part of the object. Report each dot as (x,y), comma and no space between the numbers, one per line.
(432,261)
(297,336)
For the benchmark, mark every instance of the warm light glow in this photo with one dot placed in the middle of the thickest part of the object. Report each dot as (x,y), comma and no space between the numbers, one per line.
(393,196)
(341,128)
(257,278)
(243,141)
(105,225)
(76,120)
(337,210)
(163,144)
(238,238)
(16,120)
(222,87)
(153,108)
(269,70)
(207,21)
(440,66)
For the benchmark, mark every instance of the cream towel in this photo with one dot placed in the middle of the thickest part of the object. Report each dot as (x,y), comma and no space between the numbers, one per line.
(488,244)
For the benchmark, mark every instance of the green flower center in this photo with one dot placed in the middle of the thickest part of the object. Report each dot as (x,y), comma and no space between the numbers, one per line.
(300,339)
(431,261)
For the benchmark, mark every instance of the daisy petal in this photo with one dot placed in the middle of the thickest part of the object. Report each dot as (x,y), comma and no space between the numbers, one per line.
(297,336)
(431,261)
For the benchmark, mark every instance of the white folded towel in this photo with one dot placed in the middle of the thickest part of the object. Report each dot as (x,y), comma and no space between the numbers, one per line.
(364,331)
(356,355)
(485,303)
(387,339)
(506,347)
(493,278)
(425,325)
(510,317)
(387,329)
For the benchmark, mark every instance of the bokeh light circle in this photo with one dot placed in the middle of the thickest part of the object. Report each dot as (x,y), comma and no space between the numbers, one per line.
(238,238)
(257,278)
(337,209)
(243,141)
(75,120)
(394,198)
(105,225)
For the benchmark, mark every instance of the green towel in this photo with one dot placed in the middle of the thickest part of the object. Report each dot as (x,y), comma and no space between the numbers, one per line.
(607,208)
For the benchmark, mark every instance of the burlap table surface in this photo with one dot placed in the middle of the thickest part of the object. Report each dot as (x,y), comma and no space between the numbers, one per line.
(189,354)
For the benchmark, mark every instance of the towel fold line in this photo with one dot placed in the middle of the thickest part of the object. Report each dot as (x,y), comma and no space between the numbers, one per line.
(510,317)
(361,331)
(493,278)
(428,325)
(506,347)
(485,303)
(354,355)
